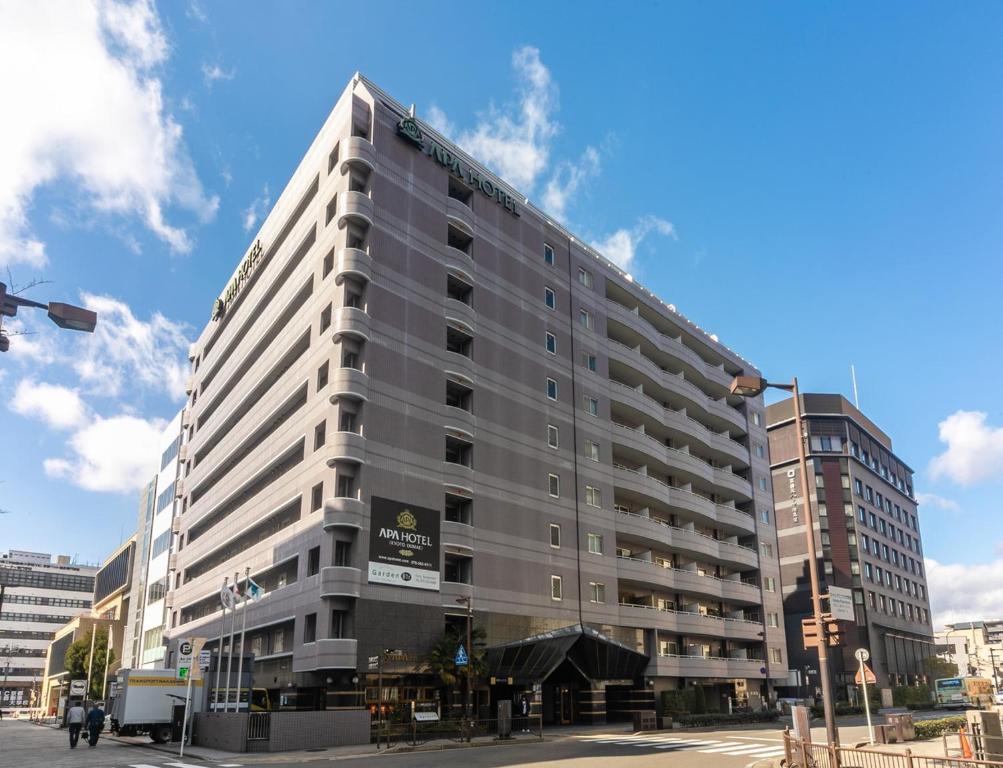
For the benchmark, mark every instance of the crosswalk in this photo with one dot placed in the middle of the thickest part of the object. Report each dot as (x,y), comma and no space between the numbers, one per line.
(178,764)
(742,748)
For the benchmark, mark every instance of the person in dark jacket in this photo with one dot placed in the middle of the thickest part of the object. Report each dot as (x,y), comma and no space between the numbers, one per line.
(95,722)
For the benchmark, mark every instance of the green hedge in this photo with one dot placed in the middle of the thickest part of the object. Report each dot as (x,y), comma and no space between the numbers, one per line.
(931,729)
(841,709)
(736,718)
(677,702)
(912,696)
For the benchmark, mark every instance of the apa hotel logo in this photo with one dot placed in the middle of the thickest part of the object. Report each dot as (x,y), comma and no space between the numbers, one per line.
(409,129)
(407,521)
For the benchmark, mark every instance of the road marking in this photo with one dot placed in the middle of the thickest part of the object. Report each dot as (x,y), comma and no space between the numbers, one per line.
(728,747)
(747,750)
(688,745)
(184,765)
(142,765)
(768,752)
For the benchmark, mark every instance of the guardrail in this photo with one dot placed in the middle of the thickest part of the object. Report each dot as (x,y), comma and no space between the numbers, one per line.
(416,733)
(802,753)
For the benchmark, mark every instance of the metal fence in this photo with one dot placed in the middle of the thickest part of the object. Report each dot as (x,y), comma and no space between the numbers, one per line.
(459,730)
(259,726)
(804,754)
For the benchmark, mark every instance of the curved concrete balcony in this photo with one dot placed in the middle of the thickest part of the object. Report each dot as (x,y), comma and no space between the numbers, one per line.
(460,215)
(461,313)
(702,666)
(340,581)
(460,365)
(457,474)
(342,512)
(682,461)
(458,261)
(734,483)
(326,653)
(353,262)
(355,206)
(449,591)
(349,382)
(656,534)
(357,150)
(351,322)
(683,622)
(457,535)
(346,446)
(459,419)
(682,580)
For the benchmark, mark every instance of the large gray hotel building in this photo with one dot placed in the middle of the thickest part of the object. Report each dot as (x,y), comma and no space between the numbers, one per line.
(418,389)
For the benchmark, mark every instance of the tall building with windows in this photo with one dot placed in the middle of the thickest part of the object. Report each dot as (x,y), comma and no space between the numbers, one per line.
(867,536)
(418,390)
(40,595)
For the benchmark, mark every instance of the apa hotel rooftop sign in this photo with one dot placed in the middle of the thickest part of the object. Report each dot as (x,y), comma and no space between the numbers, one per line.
(408,128)
(243,273)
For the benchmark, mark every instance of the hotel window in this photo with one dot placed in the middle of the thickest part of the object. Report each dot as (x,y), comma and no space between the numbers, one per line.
(869,494)
(826,443)
(872,520)
(322,374)
(878,574)
(593,496)
(551,343)
(310,628)
(769,584)
(551,389)
(844,481)
(597,592)
(550,298)
(865,542)
(317,497)
(595,543)
(888,578)
(819,481)
(346,422)
(762,483)
(342,553)
(459,396)
(592,450)
(552,436)
(555,485)
(589,361)
(891,604)
(757,419)
(556,588)
(459,451)
(459,191)
(823,510)
(776,656)
(898,582)
(585,319)
(319,435)
(760,452)
(328,263)
(585,277)
(339,624)
(548,254)
(457,290)
(854,567)
(555,536)
(884,553)
(345,488)
(766,549)
(313,561)
(883,528)
(457,341)
(458,509)
(773,620)
(858,487)
(764,515)
(872,598)
(591,405)
(325,318)
(349,358)
(862,514)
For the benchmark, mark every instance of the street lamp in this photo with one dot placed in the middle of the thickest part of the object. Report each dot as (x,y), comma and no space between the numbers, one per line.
(66,316)
(752,386)
(470,651)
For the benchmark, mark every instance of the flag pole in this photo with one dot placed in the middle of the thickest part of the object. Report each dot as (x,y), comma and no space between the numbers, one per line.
(229,655)
(219,652)
(107,661)
(90,664)
(243,627)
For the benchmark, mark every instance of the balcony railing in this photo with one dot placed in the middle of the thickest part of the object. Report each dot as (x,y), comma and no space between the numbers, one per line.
(663,446)
(726,619)
(740,582)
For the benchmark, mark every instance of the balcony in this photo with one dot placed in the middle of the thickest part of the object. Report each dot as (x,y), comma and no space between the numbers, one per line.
(349,382)
(340,581)
(457,475)
(346,446)
(654,533)
(326,653)
(689,623)
(677,460)
(459,215)
(457,535)
(357,150)
(459,365)
(459,420)
(351,322)
(343,512)
(460,313)
(683,580)
(355,206)
(458,261)
(705,666)
(353,262)
(450,591)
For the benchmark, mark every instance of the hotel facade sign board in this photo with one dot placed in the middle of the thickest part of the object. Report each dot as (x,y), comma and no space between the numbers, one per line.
(403,545)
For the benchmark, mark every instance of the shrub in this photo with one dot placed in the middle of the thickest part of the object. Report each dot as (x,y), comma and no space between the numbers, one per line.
(699,701)
(736,718)
(677,702)
(912,696)
(842,708)
(931,729)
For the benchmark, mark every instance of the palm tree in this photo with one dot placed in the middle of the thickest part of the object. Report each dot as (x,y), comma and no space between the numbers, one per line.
(442,658)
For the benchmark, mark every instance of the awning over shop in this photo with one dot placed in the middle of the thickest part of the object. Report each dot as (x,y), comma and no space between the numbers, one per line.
(592,654)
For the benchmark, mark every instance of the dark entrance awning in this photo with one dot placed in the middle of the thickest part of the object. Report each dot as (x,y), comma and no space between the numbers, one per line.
(590,653)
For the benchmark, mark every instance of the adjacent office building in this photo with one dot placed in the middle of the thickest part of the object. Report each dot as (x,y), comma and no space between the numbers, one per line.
(417,390)
(40,595)
(976,647)
(867,536)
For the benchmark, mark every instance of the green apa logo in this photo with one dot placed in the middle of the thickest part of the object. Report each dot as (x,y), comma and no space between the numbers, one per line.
(409,129)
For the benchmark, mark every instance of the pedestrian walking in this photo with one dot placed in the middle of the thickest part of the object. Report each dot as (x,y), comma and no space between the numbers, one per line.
(524,712)
(75,721)
(95,722)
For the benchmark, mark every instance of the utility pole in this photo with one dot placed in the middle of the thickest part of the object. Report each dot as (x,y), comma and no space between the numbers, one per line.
(992,660)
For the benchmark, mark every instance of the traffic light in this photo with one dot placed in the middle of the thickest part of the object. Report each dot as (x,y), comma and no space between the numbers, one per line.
(809,633)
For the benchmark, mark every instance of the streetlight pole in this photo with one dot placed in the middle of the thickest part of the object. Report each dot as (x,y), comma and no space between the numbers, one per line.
(751,386)
(66,316)
(470,651)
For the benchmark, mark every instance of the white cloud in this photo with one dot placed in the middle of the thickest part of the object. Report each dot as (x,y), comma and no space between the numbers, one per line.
(567,180)
(937,502)
(118,454)
(86,107)
(213,73)
(964,592)
(515,141)
(197,12)
(126,351)
(59,407)
(974,449)
(438,120)
(256,211)
(621,246)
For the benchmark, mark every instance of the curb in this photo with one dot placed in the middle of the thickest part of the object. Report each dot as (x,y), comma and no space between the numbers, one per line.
(475,744)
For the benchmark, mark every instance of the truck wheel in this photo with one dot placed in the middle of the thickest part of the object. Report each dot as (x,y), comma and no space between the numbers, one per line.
(161,734)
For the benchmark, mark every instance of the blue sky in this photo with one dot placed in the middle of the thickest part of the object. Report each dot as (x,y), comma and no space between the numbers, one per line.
(816,183)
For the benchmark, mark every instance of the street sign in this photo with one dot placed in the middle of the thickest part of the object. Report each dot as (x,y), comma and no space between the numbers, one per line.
(461,657)
(868,675)
(189,658)
(204,659)
(841,604)
(862,654)
(78,687)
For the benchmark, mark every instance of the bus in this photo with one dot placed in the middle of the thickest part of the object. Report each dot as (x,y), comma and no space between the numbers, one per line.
(963,692)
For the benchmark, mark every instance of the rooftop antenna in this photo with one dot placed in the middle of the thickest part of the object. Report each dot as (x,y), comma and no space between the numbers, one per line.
(856,398)
(411,111)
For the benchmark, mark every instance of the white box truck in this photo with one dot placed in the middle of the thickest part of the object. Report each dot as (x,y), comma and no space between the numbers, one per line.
(151,701)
